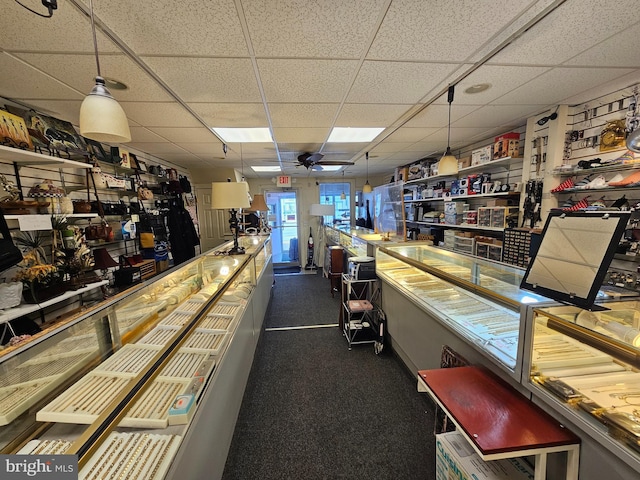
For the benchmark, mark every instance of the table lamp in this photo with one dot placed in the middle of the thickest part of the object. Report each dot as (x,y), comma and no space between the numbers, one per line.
(259,205)
(231,196)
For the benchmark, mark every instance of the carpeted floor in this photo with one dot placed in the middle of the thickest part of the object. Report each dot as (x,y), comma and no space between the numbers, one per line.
(315,410)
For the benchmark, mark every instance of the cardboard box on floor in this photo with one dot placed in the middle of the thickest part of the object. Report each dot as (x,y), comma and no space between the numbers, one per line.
(456,460)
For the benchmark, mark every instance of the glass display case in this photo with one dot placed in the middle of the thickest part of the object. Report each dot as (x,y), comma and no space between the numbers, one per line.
(357,241)
(389,211)
(479,300)
(586,364)
(119,385)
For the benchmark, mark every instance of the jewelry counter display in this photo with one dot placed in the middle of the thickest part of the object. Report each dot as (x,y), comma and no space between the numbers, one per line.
(45,447)
(496,327)
(590,380)
(29,382)
(141,456)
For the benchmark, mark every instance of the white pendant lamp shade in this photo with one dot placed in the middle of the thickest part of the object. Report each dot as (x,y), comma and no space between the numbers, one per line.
(448,164)
(102,118)
(366,188)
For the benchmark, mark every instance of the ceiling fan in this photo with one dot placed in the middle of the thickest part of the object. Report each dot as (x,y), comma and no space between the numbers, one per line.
(314,161)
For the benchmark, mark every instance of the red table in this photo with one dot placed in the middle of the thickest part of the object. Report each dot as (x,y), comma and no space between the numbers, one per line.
(498,421)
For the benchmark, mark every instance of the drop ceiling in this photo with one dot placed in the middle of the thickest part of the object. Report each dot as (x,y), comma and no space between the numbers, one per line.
(302,67)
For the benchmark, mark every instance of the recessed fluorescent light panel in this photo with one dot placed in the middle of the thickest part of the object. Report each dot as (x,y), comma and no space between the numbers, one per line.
(263,168)
(329,168)
(244,135)
(353,134)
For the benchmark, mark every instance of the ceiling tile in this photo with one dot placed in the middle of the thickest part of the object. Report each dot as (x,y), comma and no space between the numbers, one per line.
(368,115)
(496,115)
(441,30)
(502,79)
(69,30)
(18,80)
(186,135)
(79,71)
(396,82)
(208,79)
(305,81)
(299,28)
(302,114)
(386,147)
(213,149)
(558,84)
(167,27)
(300,135)
(612,52)
(159,114)
(572,28)
(163,149)
(437,116)
(409,135)
(144,135)
(250,115)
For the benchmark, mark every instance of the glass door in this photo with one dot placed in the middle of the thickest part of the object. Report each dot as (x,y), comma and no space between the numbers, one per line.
(283,219)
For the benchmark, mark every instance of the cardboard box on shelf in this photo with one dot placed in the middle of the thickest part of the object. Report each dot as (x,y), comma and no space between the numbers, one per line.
(481,155)
(496,202)
(506,145)
(464,163)
(455,459)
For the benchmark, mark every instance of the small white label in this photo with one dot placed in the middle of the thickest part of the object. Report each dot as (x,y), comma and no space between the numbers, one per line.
(34,222)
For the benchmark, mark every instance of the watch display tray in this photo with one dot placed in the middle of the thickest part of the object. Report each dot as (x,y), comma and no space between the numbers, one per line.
(140,456)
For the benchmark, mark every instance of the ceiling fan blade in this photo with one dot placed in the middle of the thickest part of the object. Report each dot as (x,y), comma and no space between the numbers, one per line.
(315,157)
(317,167)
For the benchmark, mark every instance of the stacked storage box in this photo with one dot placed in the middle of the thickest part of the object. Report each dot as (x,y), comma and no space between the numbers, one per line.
(453,213)
(464,242)
(449,239)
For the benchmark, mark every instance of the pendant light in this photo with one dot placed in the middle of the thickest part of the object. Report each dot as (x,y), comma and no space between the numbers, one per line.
(101,117)
(366,188)
(343,196)
(448,164)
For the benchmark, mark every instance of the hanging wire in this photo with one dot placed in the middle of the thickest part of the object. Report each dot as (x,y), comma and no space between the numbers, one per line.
(95,39)
(51,6)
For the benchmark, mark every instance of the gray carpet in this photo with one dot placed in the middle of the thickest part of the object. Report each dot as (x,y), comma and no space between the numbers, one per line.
(315,410)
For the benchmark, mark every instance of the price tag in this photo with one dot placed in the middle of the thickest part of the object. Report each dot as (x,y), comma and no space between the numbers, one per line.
(34,222)
(283,181)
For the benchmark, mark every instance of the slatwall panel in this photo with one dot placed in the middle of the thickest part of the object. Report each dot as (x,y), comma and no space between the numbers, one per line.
(590,118)
(74,181)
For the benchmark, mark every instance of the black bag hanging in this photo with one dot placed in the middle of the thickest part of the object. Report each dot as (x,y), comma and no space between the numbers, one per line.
(186,184)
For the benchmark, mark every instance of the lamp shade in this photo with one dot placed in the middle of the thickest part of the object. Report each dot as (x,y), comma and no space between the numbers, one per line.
(102,118)
(633,141)
(258,204)
(448,164)
(367,188)
(103,260)
(321,209)
(229,195)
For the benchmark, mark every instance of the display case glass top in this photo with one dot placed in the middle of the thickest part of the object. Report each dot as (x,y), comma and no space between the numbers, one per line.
(478,300)
(586,362)
(500,281)
(132,370)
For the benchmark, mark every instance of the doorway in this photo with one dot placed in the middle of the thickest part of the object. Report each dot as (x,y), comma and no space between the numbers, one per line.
(284,220)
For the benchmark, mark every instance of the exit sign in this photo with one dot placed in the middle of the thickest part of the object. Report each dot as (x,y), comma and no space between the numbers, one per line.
(283,181)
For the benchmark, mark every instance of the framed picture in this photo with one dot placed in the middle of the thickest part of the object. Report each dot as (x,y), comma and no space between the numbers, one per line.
(125,160)
(58,136)
(137,164)
(97,150)
(13,131)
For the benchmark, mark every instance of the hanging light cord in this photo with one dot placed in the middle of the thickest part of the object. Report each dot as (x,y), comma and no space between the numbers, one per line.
(367,157)
(51,6)
(95,39)
(450,100)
